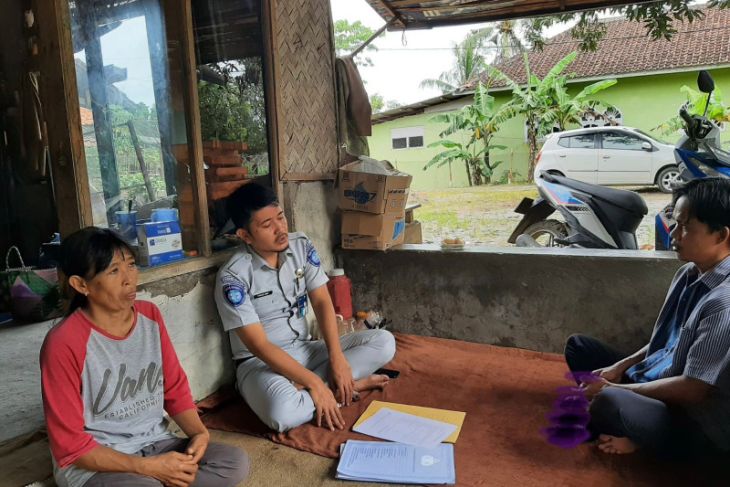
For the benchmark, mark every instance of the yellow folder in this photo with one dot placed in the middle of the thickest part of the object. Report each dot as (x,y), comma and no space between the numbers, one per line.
(452,417)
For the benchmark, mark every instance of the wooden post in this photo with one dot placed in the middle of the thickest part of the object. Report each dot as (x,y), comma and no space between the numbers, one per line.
(102,124)
(59,94)
(157,42)
(195,136)
(140,159)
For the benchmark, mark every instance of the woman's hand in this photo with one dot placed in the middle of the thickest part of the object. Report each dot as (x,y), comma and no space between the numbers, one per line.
(172,468)
(342,380)
(327,408)
(197,446)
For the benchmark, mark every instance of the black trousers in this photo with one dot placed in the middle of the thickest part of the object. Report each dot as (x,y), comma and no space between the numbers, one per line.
(649,423)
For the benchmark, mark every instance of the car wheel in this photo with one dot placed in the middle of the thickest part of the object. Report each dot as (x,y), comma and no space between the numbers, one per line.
(547,232)
(667,179)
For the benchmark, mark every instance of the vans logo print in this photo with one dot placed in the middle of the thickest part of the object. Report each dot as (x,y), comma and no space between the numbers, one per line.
(125,388)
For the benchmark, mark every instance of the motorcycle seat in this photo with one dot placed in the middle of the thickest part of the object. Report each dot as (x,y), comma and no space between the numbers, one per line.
(627,200)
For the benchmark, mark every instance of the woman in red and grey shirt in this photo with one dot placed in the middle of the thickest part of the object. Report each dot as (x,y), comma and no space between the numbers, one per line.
(109,371)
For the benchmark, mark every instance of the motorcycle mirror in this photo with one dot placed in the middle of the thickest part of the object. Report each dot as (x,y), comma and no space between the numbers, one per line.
(705,82)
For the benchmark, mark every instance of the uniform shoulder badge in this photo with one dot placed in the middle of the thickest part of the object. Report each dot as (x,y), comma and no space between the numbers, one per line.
(312,255)
(235,293)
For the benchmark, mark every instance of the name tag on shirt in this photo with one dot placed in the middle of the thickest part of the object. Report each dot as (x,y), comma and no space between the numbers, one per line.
(263,295)
(302,306)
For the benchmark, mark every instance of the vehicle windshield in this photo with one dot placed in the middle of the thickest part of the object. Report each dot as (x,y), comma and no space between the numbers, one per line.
(653,137)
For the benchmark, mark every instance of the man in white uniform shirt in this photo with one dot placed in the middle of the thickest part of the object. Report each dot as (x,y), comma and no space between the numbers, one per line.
(262,295)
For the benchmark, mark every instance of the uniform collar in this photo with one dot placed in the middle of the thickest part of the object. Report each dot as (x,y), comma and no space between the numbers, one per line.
(259,262)
(715,276)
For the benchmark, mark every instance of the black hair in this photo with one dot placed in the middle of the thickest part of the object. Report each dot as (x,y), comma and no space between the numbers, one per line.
(246,201)
(709,201)
(86,253)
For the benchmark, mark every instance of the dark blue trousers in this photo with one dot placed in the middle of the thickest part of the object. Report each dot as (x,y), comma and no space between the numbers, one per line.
(649,423)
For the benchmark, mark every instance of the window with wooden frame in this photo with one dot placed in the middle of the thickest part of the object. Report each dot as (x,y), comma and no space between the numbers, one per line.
(165,107)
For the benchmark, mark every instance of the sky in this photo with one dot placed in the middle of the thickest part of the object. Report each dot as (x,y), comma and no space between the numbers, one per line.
(404,60)
(401,62)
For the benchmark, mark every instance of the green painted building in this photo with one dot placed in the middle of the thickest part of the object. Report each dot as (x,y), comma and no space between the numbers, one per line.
(649,73)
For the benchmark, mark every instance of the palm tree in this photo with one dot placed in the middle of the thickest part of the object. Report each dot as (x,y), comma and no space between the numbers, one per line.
(471,54)
(468,64)
(505,39)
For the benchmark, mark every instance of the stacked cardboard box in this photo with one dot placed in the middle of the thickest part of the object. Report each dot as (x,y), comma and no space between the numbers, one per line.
(373,198)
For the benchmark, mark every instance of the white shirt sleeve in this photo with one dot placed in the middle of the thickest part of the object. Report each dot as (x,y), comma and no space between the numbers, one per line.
(233,298)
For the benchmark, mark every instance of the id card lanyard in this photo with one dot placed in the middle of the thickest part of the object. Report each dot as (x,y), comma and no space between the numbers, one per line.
(299,307)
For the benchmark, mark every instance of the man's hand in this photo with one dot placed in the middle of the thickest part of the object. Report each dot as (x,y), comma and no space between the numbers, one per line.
(594,387)
(612,373)
(327,408)
(172,468)
(197,446)
(342,380)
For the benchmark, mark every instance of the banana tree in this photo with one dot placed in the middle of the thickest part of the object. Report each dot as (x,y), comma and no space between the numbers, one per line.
(717,110)
(533,100)
(479,121)
(566,110)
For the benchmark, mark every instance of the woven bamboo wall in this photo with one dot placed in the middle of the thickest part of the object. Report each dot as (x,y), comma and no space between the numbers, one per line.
(304,89)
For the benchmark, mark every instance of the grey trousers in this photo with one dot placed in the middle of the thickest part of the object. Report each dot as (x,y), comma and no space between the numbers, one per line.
(279,404)
(652,424)
(221,466)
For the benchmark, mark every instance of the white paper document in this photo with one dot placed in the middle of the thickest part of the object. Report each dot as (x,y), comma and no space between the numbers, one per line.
(376,461)
(406,428)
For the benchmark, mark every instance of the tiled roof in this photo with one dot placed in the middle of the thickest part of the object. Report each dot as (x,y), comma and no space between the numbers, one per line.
(626,49)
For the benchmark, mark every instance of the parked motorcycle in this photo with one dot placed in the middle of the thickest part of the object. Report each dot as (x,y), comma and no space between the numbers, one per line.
(595,216)
(698,154)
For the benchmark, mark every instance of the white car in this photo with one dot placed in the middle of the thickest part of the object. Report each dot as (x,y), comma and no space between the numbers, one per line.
(609,156)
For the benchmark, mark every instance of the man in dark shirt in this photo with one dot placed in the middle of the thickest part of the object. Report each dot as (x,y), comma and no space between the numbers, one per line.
(673,395)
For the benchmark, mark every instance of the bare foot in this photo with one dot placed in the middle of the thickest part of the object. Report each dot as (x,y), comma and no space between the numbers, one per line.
(616,445)
(375,381)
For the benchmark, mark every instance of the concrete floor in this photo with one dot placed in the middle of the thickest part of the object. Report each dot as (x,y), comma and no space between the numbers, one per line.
(29,461)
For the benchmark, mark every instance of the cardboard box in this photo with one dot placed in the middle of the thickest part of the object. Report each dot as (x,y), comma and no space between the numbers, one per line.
(413,233)
(159,243)
(373,186)
(366,231)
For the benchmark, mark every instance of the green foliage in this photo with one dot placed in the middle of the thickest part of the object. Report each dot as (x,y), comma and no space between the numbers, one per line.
(132,184)
(349,37)
(377,103)
(479,121)
(510,177)
(659,19)
(233,109)
(717,110)
(502,37)
(545,102)
(469,63)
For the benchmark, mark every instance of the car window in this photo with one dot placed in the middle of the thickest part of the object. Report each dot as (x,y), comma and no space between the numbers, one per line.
(621,141)
(584,141)
(653,137)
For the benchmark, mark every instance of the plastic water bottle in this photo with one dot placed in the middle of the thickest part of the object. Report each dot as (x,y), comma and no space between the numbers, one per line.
(340,289)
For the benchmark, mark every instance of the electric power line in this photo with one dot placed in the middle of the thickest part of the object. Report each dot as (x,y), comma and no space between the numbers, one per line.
(547,44)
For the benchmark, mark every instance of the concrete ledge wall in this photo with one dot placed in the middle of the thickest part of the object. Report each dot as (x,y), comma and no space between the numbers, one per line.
(526,298)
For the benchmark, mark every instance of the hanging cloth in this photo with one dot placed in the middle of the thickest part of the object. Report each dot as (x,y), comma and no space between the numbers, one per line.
(353,110)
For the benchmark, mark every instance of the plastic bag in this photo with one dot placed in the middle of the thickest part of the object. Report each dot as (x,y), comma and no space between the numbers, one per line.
(33,294)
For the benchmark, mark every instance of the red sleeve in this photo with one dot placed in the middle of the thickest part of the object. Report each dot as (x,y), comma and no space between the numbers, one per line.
(62,362)
(178,397)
